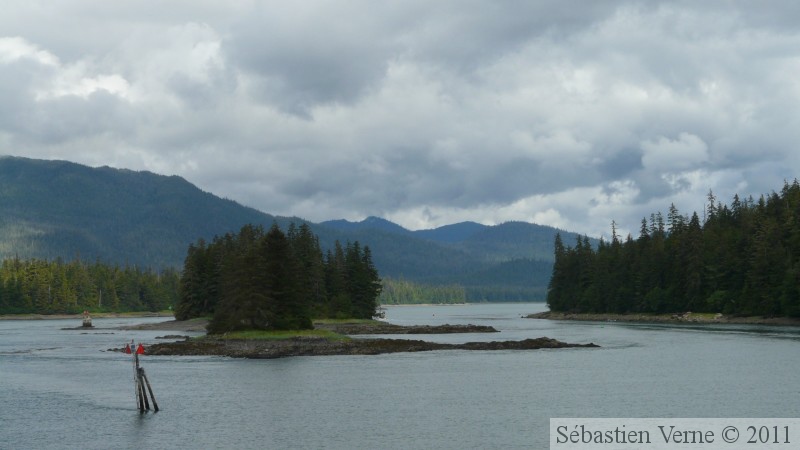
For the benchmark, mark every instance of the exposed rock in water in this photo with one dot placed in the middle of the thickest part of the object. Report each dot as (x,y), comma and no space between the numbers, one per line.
(220,345)
(308,346)
(196,325)
(525,344)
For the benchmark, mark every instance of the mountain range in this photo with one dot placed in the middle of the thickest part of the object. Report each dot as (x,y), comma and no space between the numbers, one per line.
(60,209)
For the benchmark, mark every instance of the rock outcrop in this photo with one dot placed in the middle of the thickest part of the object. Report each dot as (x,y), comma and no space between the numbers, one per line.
(309,346)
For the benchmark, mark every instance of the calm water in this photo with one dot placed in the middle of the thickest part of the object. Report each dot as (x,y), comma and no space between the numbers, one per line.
(62,389)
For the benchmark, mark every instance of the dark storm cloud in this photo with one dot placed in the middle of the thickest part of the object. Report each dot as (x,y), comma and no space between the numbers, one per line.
(302,56)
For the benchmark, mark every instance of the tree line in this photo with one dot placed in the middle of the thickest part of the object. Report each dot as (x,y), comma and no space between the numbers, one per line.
(51,287)
(742,259)
(400,291)
(403,292)
(257,279)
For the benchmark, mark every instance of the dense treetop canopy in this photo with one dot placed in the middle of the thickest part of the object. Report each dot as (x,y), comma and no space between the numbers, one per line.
(742,259)
(258,279)
(48,287)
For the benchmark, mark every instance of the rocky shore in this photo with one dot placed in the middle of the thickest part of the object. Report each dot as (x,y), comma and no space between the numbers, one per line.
(377,327)
(195,325)
(309,346)
(678,318)
(221,345)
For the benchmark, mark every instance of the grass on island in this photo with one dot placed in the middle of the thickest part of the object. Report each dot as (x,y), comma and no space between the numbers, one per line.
(275,335)
(340,321)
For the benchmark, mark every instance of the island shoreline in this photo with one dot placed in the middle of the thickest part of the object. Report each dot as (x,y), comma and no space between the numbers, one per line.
(99,315)
(313,346)
(255,348)
(687,318)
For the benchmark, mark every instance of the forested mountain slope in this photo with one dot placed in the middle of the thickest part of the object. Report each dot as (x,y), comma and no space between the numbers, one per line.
(51,209)
(59,209)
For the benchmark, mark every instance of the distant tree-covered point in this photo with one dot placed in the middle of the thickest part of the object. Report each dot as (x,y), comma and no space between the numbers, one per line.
(39,286)
(404,292)
(742,259)
(275,280)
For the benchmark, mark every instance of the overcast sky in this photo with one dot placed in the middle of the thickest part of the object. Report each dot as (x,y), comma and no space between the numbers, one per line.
(570,114)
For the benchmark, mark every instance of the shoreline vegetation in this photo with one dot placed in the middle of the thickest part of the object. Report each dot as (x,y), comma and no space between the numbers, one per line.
(329,337)
(675,318)
(95,315)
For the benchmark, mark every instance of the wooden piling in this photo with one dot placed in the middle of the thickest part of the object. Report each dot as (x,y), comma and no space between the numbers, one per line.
(141,387)
(137,392)
(140,396)
(140,381)
(149,389)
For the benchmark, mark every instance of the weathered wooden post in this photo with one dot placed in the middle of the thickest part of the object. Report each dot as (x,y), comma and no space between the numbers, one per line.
(140,396)
(140,383)
(150,390)
(140,380)
(136,392)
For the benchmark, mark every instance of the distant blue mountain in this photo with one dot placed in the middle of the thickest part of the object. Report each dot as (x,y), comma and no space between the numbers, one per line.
(488,243)
(370,223)
(511,261)
(456,232)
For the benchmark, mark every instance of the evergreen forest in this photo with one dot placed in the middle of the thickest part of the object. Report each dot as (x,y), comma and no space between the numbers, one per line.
(53,287)
(742,259)
(404,292)
(271,280)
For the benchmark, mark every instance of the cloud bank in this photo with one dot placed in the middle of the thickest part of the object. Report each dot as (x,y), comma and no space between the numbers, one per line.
(570,114)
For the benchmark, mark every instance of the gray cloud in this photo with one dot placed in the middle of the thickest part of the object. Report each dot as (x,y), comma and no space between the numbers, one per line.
(572,114)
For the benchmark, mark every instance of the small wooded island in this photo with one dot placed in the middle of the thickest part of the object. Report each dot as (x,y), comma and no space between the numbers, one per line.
(272,295)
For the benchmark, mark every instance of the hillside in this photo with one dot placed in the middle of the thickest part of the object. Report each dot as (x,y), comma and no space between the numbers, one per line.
(487,243)
(511,261)
(59,209)
(52,209)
